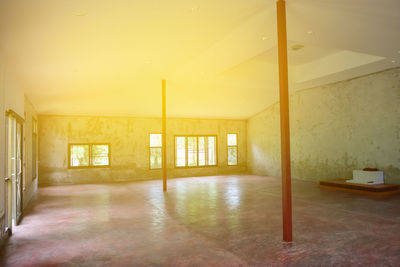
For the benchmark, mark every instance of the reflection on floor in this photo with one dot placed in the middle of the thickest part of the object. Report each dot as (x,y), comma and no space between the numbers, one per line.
(224,221)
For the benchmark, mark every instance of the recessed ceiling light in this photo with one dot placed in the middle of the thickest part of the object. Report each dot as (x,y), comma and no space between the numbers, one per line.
(264,38)
(195,9)
(393,61)
(81,14)
(297,47)
(310,32)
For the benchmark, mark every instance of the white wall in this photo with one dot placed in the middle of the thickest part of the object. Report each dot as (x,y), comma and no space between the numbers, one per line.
(12,98)
(2,147)
(13,94)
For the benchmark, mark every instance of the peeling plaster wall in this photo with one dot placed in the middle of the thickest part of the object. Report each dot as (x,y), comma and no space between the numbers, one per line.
(335,129)
(30,181)
(129,142)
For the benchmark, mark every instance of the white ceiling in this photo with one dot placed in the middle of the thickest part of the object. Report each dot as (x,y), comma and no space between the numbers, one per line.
(100,57)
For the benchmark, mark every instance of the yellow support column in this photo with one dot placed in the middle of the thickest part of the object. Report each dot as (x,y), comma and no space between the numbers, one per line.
(285,126)
(164,137)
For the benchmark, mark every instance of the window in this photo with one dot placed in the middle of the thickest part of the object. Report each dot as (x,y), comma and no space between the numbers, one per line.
(192,151)
(34,148)
(232,149)
(155,151)
(79,156)
(180,151)
(89,155)
(195,151)
(34,126)
(99,155)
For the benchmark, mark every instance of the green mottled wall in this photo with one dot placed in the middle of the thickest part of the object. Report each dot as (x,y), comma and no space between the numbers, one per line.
(129,141)
(334,129)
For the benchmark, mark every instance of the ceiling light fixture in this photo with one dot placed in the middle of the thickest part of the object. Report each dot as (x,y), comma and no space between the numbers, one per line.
(310,32)
(393,61)
(264,38)
(297,47)
(195,9)
(84,13)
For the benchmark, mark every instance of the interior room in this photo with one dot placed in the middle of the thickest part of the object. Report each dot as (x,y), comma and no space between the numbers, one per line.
(200,133)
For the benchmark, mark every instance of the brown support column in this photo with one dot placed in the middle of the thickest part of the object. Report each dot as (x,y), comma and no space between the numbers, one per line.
(285,126)
(164,138)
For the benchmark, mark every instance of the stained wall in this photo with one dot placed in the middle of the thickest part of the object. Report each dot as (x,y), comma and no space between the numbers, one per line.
(129,142)
(30,176)
(335,129)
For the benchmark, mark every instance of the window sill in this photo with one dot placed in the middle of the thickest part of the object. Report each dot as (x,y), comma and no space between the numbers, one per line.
(88,167)
(191,167)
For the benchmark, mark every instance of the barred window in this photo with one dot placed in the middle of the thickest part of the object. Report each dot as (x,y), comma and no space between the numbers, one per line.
(195,151)
(156,151)
(89,155)
(232,149)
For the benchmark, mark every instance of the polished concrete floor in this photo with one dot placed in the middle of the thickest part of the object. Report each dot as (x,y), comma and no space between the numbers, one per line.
(204,221)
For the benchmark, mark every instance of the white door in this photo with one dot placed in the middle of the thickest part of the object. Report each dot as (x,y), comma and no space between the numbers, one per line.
(14,171)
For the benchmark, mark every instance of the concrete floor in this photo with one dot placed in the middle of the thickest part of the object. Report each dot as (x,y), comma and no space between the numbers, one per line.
(220,221)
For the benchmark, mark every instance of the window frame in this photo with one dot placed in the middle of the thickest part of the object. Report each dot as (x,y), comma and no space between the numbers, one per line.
(197,151)
(237,150)
(90,156)
(150,147)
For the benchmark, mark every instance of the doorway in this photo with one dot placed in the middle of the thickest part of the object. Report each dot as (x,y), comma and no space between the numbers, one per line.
(14,187)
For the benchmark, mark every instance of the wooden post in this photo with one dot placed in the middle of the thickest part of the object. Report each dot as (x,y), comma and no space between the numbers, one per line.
(164,137)
(285,126)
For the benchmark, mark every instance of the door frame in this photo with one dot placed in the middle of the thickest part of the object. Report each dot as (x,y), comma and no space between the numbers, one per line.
(21,166)
(10,195)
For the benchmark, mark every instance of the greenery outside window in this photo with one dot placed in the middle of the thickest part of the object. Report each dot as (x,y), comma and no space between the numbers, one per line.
(89,155)
(232,149)
(195,151)
(156,151)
